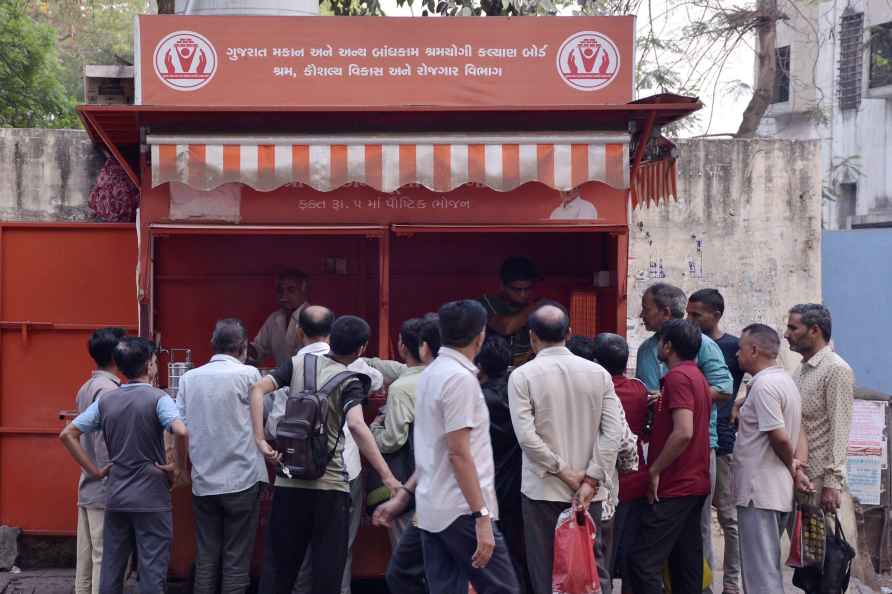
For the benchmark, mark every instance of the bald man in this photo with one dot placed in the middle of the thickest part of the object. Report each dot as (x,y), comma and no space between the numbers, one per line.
(568,422)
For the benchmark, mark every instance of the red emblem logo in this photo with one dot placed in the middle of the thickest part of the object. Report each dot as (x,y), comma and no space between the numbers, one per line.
(588,61)
(185,61)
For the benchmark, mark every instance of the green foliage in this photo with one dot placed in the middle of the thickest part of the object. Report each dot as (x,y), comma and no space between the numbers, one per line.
(31,95)
(90,32)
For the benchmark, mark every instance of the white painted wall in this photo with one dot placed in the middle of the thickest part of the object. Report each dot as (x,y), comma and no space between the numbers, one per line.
(865,133)
(46,174)
(755,208)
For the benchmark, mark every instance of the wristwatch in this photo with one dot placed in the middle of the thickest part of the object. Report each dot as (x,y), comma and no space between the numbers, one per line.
(483,513)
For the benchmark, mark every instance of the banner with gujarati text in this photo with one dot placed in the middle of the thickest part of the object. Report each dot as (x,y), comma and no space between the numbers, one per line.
(376,62)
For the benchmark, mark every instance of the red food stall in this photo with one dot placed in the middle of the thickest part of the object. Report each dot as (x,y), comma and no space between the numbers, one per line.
(395,161)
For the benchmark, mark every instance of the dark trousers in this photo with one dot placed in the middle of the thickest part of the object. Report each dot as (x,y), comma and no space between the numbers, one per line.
(607,536)
(540,519)
(301,518)
(405,572)
(447,561)
(225,527)
(511,525)
(670,532)
(149,535)
(626,527)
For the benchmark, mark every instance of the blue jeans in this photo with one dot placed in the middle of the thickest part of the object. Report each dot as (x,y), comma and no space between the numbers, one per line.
(447,561)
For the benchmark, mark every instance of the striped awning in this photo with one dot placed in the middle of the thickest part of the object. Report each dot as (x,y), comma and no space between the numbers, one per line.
(655,181)
(439,162)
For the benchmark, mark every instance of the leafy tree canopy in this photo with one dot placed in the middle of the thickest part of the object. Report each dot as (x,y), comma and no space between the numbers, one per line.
(31,94)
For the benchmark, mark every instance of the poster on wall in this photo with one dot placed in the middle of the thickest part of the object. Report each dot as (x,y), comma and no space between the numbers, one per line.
(867,451)
(340,63)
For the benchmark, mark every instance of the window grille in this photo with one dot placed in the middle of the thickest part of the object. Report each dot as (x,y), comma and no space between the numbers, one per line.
(851,51)
(782,75)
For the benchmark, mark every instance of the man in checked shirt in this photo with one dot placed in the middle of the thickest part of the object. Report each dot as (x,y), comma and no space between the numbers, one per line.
(826,384)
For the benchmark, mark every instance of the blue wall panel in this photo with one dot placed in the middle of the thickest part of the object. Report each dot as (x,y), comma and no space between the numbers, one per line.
(857,287)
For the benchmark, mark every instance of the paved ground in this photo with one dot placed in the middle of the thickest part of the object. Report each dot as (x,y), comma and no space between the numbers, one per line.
(60,581)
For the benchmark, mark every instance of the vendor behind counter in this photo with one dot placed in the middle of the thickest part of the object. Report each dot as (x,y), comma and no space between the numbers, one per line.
(509,308)
(278,337)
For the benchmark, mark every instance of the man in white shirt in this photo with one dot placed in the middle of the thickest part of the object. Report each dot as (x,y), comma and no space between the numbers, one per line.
(227,469)
(278,337)
(456,498)
(567,419)
(765,465)
(574,207)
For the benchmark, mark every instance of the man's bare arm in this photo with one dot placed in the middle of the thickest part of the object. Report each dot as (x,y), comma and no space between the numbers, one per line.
(71,439)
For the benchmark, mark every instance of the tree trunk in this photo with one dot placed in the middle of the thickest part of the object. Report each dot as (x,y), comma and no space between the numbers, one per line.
(764,88)
(166,6)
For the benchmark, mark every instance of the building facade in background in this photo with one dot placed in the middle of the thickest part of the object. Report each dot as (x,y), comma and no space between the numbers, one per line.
(834,84)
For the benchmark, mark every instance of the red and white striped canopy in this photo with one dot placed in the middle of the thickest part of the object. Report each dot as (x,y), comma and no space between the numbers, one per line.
(439,162)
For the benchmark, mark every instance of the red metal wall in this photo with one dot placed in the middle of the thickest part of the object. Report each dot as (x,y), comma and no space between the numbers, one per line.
(58,282)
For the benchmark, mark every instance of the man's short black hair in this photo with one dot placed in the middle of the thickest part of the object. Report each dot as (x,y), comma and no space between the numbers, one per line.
(461,322)
(815,314)
(494,357)
(684,336)
(410,334)
(430,332)
(765,337)
(316,321)
(669,297)
(348,335)
(518,268)
(550,322)
(102,343)
(582,346)
(711,298)
(298,276)
(612,352)
(133,354)
(229,337)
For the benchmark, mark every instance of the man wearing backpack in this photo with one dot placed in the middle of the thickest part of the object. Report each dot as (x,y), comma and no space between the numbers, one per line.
(315,511)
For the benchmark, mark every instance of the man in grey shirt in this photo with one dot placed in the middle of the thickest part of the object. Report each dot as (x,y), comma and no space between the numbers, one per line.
(138,511)
(227,468)
(91,493)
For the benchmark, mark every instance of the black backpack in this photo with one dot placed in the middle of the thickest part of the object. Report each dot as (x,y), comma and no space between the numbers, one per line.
(302,433)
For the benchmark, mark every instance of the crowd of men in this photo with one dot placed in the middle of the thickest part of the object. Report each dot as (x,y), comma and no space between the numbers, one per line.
(496,421)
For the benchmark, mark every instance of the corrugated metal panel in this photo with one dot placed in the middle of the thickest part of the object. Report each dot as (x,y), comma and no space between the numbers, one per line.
(58,282)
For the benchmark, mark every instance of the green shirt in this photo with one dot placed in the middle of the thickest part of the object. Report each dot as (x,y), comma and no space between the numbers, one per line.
(394,432)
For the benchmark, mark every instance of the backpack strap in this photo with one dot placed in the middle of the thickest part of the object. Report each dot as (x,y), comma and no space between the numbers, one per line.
(310,373)
(330,387)
(332,384)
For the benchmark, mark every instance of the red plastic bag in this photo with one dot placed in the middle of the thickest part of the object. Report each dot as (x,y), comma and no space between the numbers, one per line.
(575,570)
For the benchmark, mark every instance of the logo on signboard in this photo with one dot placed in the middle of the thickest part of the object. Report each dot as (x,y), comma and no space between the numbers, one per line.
(588,61)
(185,61)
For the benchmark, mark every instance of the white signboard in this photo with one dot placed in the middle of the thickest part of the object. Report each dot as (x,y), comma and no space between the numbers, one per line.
(867,451)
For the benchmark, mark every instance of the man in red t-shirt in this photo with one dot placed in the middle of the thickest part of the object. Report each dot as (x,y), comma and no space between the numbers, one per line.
(678,470)
(611,351)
